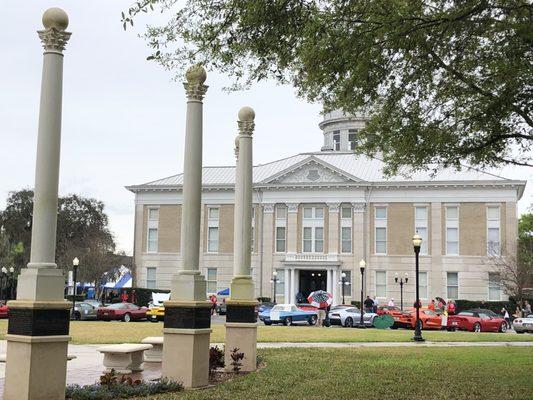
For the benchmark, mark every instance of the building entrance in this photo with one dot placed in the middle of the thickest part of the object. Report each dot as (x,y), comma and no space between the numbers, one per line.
(311,281)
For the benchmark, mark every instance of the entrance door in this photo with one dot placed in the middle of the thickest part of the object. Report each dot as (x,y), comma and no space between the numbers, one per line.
(311,281)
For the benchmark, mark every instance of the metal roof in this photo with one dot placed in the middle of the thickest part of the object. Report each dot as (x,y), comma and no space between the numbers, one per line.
(365,169)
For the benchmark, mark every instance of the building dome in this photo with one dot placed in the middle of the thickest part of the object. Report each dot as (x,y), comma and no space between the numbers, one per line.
(341,131)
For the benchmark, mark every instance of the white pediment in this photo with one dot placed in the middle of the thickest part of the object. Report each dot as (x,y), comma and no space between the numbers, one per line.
(312,171)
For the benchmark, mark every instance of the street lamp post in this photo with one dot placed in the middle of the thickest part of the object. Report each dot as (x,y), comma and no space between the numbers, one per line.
(362,265)
(401,281)
(417,242)
(75,264)
(274,281)
(343,282)
(4,273)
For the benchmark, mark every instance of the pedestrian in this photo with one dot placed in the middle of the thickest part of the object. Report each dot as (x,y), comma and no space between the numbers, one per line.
(444,320)
(213,300)
(417,304)
(376,305)
(431,305)
(440,306)
(450,308)
(368,304)
(527,309)
(506,316)
(321,316)
(517,311)
(391,302)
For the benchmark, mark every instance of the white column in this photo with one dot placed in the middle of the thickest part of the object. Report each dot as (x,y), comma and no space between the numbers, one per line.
(333,228)
(335,281)
(186,336)
(286,294)
(292,294)
(329,281)
(37,361)
(242,287)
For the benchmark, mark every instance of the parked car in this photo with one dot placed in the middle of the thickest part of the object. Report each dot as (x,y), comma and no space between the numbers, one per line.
(477,320)
(287,314)
(522,325)
(93,302)
(393,311)
(84,311)
(122,311)
(263,306)
(155,314)
(350,317)
(429,319)
(3,311)
(222,308)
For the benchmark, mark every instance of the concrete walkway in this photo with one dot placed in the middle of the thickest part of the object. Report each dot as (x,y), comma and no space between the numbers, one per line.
(87,367)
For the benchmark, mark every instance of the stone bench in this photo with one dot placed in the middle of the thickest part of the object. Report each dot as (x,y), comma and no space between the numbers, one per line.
(3,358)
(155,354)
(124,358)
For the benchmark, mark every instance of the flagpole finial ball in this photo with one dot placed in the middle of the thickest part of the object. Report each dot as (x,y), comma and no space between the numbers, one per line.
(196,74)
(55,18)
(246,114)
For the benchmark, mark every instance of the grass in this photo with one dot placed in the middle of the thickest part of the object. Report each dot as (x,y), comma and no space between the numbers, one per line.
(384,374)
(86,332)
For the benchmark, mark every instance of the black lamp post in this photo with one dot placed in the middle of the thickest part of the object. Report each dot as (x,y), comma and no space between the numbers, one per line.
(417,242)
(401,281)
(2,280)
(274,280)
(343,282)
(362,265)
(75,264)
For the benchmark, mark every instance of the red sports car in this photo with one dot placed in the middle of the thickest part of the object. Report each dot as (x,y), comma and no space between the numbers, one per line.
(429,318)
(3,311)
(478,320)
(122,311)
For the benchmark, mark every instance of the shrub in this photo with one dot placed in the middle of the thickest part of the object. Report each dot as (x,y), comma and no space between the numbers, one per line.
(236,360)
(356,303)
(216,359)
(112,387)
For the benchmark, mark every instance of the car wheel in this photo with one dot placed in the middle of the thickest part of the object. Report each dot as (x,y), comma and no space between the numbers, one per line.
(348,322)
(268,322)
(154,320)
(127,317)
(520,331)
(312,320)
(503,327)
(450,329)
(476,327)
(287,321)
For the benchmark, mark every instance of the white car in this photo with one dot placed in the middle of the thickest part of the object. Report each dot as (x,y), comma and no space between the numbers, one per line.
(522,325)
(350,317)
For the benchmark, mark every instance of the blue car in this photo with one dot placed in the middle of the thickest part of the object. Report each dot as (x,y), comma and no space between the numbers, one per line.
(287,314)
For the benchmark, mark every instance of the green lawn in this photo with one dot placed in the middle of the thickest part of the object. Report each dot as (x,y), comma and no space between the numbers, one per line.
(84,332)
(381,374)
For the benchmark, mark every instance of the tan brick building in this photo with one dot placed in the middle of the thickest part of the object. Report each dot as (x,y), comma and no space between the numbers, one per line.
(316,215)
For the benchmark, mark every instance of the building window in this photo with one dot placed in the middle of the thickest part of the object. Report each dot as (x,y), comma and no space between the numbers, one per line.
(380,222)
(381,283)
(452,230)
(153,214)
(280,284)
(423,285)
(313,229)
(347,280)
(213,214)
(252,242)
(336,140)
(211,280)
(352,138)
(151,281)
(346,239)
(493,231)
(152,230)
(281,229)
(452,284)
(421,226)
(152,240)
(494,286)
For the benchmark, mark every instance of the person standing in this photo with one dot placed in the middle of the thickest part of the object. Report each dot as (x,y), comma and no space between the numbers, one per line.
(506,317)
(375,306)
(391,302)
(431,305)
(321,317)
(368,304)
(213,300)
(450,308)
(527,309)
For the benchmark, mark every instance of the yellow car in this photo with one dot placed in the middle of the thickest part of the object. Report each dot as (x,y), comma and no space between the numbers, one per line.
(155,314)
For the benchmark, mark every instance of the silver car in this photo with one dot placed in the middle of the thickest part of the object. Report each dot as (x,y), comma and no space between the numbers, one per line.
(350,317)
(522,325)
(84,311)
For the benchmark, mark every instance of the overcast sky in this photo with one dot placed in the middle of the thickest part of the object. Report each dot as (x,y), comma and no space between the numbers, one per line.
(123,116)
